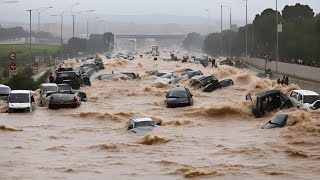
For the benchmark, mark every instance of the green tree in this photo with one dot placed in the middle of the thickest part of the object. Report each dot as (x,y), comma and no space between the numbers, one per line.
(193,41)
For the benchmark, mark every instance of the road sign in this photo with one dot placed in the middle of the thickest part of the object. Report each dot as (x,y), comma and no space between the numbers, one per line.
(12,56)
(13,66)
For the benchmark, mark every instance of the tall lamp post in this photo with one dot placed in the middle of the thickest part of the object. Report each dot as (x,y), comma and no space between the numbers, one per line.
(61,30)
(277,46)
(229,30)
(73,15)
(40,10)
(209,11)
(30,11)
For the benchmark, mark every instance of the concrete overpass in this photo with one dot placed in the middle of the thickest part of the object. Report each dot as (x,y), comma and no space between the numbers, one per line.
(143,41)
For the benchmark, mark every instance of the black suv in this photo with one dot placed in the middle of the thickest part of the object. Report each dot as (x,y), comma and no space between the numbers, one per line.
(72,78)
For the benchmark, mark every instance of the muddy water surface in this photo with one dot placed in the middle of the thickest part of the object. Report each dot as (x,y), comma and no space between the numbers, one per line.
(216,138)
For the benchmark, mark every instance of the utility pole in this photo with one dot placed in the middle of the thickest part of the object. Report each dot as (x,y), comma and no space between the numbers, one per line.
(277,46)
(221,35)
(247,30)
(230,37)
(88,35)
(30,59)
(61,50)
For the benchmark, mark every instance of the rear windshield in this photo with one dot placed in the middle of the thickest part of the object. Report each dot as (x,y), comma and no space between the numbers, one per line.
(50,88)
(19,98)
(67,74)
(180,94)
(310,99)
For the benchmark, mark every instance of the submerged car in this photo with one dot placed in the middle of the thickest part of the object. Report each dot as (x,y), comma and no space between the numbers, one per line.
(98,62)
(72,78)
(303,98)
(178,97)
(114,77)
(168,78)
(217,85)
(269,101)
(137,125)
(4,92)
(278,121)
(66,99)
(20,100)
(46,88)
(156,73)
(202,81)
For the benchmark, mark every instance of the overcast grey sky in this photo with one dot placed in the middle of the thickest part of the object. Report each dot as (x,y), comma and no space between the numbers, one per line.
(17,11)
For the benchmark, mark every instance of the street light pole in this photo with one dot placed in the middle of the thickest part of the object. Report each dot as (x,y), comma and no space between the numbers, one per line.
(221,35)
(73,15)
(209,11)
(30,39)
(247,30)
(39,12)
(230,37)
(277,46)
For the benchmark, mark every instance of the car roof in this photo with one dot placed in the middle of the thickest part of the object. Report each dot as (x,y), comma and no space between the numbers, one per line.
(2,85)
(306,92)
(141,119)
(20,91)
(49,84)
(268,93)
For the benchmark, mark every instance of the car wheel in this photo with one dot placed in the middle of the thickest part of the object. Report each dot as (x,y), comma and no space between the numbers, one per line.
(51,106)
(11,110)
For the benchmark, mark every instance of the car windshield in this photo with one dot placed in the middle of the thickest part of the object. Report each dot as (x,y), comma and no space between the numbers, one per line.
(4,90)
(144,123)
(310,99)
(19,98)
(50,88)
(179,94)
(317,105)
(279,119)
(167,76)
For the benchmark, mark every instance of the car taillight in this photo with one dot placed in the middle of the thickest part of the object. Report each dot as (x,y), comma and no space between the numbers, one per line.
(75,100)
(51,99)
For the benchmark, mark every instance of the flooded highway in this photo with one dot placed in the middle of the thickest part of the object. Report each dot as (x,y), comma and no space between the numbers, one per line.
(217,137)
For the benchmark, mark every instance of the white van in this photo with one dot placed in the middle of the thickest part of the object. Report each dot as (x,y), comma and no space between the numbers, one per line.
(20,100)
(303,98)
(46,88)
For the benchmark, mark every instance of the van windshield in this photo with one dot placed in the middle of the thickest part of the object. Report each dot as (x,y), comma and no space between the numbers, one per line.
(19,98)
(310,99)
(50,88)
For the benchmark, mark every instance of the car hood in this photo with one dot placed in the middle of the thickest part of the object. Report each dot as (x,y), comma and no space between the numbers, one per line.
(19,105)
(163,81)
(142,129)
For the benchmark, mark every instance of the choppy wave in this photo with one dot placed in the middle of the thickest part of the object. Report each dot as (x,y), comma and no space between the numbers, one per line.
(104,147)
(153,140)
(218,110)
(189,172)
(5,128)
(161,122)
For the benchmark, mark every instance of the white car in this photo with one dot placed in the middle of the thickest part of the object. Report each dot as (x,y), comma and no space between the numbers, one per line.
(303,98)
(4,92)
(46,88)
(20,100)
(141,125)
(168,78)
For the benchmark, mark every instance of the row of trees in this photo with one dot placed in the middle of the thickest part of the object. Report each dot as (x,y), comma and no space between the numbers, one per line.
(299,39)
(18,32)
(96,43)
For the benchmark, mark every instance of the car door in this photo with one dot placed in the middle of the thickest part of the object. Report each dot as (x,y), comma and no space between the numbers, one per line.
(299,101)
(294,98)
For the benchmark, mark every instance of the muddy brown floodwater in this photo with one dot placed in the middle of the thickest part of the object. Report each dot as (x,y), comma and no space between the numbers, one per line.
(216,138)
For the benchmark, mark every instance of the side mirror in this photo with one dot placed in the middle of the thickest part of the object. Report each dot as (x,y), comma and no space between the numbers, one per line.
(167,95)
(83,96)
(130,126)
(248,97)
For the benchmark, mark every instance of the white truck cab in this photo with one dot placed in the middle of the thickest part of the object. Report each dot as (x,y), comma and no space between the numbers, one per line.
(20,100)
(303,98)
